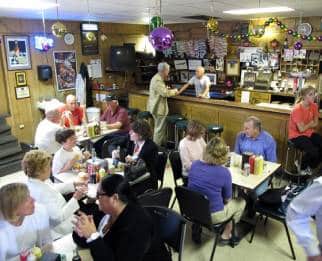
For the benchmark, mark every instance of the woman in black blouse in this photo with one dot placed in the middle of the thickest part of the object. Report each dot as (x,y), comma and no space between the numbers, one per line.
(122,230)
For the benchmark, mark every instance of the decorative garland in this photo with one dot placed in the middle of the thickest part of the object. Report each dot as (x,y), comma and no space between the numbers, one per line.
(269,21)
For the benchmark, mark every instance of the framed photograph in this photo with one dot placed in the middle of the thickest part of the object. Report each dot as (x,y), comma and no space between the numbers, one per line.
(232,67)
(184,76)
(212,77)
(17,52)
(193,64)
(21,79)
(65,68)
(180,64)
(89,42)
(22,92)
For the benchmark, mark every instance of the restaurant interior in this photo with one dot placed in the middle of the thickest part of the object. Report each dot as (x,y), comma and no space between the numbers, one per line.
(258,56)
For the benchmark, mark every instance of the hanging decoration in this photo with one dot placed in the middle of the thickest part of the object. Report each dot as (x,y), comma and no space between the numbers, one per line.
(212,25)
(298,45)
(156,21)
(58,29)
(275,44)
(161,38)
(268,22)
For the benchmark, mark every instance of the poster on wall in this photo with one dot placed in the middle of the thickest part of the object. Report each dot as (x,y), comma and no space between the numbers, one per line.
(65,68)
(17,52)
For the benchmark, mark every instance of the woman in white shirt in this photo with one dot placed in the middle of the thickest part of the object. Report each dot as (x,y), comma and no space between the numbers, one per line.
(66,157)
(191,147)
(36,165)
(23,224)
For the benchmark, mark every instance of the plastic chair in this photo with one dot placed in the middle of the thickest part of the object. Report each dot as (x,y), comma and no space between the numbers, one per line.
(171,227)
(160,197)
(195,208)
(270,212)
(176,166)
(161,165)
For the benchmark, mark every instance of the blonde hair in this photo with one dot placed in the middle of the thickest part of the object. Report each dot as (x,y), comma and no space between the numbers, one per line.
(11,197)
(304,91)
(34,162)
(194,129)
(216,152)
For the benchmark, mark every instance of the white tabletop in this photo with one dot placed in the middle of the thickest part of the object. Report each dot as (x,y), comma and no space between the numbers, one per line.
(252,181)
(81,138)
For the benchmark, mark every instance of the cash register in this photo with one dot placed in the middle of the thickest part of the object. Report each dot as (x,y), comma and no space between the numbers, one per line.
(263,80)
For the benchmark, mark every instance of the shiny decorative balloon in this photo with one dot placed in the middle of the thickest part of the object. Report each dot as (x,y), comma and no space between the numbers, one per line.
(156,21)
(320,38)
(161,38)
(90,36)
(298,45)
(212,25)
(58,29)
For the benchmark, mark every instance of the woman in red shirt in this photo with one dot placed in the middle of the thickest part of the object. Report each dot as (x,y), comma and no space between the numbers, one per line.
(301,129)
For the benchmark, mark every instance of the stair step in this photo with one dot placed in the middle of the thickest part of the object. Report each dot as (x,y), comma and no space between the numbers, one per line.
(9,144)
(9,151)
(12,158)
(10,168)
(2,120)
(7,139)
(5,129)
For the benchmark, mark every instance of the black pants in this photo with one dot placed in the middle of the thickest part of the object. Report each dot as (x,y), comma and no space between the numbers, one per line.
(312,148)
(115,138)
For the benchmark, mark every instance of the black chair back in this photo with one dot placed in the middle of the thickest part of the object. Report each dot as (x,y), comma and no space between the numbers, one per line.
(105,152)
(176,166)
(159,197)
(160,165)
(170,227)
(194,206)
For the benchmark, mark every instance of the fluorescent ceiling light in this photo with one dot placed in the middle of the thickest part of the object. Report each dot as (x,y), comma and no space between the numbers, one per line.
(24,4)
(261,10)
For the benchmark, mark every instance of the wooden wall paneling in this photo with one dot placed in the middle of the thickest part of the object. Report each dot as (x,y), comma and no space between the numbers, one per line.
(4,106)
(205,114)
(180,107)
(138,102)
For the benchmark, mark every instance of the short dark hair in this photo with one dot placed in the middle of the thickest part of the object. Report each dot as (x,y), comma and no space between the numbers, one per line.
(117,184)
(62,135)
(142,128)
(257,124)
(195,129)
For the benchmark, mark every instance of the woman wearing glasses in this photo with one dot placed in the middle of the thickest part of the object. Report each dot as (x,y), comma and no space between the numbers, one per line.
(122,230)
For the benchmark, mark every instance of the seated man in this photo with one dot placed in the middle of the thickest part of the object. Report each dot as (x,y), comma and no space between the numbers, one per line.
(254,139)
(72,114)
(116,117)
(201,83)
(47,128)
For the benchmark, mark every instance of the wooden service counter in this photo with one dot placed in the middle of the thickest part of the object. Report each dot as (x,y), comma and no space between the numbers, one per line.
(227,113)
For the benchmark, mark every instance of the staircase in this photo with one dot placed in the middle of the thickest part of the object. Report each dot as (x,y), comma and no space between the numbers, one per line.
(10,150)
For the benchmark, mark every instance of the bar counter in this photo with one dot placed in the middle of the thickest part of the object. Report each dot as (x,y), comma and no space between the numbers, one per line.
(230,114)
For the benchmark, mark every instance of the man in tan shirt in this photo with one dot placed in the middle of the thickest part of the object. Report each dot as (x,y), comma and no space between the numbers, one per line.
(157,102)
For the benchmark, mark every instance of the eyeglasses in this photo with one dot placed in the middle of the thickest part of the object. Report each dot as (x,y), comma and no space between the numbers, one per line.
(99,194)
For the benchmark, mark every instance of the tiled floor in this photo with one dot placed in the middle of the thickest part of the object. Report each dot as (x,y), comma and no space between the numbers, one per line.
(270,242)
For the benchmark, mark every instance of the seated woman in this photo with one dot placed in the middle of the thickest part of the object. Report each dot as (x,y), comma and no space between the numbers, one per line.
(191,147)
(142,147)
(66,157)
(209,177)
(23,224)
(36,165)
(123,230)
(302,126)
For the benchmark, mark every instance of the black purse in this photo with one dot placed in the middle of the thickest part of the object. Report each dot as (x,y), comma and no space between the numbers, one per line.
(135,169)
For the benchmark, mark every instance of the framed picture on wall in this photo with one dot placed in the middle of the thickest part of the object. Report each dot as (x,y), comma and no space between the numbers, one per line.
(65,68)
(21,78)
(22,92)
(17,52)
(184,76)
(232,67)
(212,78)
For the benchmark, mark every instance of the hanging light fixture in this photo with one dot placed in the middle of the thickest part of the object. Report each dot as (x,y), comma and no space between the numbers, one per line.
(212,23)
(90,36)
(58,29)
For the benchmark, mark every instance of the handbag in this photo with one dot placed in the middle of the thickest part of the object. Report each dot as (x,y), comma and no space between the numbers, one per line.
(135,169)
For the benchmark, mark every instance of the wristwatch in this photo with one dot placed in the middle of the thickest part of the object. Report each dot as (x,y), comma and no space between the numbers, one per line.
(93,237)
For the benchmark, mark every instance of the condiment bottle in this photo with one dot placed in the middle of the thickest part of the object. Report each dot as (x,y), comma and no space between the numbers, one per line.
(252,164)
(259,165)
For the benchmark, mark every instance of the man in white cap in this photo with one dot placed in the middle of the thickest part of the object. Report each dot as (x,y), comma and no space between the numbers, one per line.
(201,82)
(47,128)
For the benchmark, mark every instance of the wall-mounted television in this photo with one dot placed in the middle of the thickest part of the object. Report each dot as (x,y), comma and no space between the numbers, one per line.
(123,57)
(43,43)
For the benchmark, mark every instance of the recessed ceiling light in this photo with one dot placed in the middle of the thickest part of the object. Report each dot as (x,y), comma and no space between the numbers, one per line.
(261,10)
(24,4)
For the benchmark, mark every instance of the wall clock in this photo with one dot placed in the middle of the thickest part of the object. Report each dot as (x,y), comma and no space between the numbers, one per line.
(69,39)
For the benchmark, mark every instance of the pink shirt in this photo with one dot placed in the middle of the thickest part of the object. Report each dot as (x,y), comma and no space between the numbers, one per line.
(189,151)
(120,115)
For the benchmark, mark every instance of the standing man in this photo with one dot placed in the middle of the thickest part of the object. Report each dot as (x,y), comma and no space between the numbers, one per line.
(157,102)
(201,83)
(72,113)
(299,217)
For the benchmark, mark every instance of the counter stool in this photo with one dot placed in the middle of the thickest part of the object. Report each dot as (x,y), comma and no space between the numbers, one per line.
(179,130)
(146,115)
(171,121)
(214,129)
(293,161)
(132,113)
